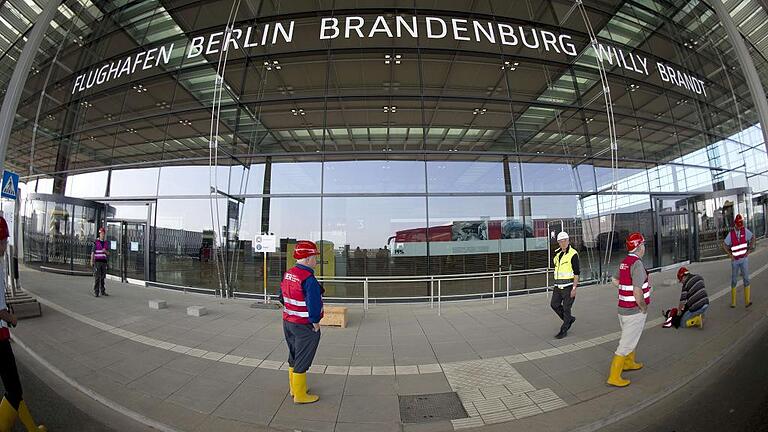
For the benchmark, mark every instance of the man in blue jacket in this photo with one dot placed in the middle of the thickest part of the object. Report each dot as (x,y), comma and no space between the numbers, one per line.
(302,312)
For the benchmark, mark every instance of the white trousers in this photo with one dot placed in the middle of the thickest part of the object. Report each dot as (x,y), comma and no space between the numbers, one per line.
(631,328)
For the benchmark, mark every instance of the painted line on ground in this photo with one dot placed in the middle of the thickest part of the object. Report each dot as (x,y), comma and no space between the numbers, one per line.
(353,370)
(94,395)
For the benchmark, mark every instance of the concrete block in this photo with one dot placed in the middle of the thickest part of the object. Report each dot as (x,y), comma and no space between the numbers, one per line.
(197,311)
(157,304)
(27,309)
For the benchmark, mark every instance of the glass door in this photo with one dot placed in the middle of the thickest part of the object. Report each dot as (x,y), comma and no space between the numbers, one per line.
(675,237)
(134,250)
(114,238)
(127,249)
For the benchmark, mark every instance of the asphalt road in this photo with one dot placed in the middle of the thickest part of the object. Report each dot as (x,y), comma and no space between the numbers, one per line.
(50,408)
(731,397)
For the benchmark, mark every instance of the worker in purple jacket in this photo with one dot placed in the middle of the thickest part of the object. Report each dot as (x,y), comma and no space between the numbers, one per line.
(99,258)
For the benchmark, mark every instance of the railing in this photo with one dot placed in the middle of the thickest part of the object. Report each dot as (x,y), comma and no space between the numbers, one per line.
(501,286)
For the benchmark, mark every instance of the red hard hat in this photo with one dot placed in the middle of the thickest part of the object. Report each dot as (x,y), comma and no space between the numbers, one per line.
(738,221)
(634,240)
(681,272)
(305,249)
(102,230)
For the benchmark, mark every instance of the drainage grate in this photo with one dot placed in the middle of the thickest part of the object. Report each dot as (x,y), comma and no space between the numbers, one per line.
(431,407)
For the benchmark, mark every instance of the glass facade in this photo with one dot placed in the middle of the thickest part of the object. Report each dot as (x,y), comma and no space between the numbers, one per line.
(413,141)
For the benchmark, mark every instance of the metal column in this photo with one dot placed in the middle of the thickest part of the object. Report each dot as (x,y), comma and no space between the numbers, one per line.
(20,74)
(747,66)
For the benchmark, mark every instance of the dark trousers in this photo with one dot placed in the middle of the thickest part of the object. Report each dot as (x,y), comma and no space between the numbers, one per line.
(302,345)
(561,304)
(9,374)
(100,275)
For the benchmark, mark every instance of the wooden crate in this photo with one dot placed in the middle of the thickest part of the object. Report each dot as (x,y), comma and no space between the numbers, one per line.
(334,316)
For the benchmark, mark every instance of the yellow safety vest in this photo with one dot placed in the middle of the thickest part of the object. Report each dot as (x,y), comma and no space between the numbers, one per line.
(563,268)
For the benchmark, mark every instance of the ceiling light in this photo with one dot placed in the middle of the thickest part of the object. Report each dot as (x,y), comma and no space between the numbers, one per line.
(272,64)
(510,65)
(388,58)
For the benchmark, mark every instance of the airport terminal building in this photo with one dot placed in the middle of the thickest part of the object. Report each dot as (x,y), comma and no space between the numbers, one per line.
(420,143)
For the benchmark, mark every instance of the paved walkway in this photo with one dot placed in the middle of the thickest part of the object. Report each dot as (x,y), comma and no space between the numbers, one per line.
(225,370)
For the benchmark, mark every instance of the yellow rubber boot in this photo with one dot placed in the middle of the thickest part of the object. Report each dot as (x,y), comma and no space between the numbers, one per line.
(26,419)
(300,395)
(695,322)
(615,378)
(290,380)
(733,297)
(747,296)
(7,416)
(630,363)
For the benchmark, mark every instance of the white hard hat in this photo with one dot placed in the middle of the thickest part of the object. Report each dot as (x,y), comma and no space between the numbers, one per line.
(562,236)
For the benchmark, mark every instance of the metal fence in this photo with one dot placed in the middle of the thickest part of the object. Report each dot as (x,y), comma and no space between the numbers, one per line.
(500,283)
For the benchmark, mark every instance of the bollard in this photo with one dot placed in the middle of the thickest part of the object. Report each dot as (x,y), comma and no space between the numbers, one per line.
(493,290)
(439,286)
(507,292)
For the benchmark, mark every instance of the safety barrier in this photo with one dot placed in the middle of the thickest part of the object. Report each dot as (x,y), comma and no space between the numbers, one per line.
(501,286)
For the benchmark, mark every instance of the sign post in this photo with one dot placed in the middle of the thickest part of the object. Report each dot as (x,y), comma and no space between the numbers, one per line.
(9,188)
(265,243)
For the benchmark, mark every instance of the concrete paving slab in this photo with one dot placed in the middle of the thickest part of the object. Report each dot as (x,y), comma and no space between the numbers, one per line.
(161,382)
(249,405)
(422,384)
(324,410)
(202,394)
(374,385)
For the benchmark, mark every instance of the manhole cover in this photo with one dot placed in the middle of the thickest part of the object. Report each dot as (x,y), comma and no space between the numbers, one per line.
(431,407)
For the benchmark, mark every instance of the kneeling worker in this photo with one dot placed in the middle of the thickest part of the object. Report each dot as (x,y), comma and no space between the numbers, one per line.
(302,312)
(567,272)
(693,298)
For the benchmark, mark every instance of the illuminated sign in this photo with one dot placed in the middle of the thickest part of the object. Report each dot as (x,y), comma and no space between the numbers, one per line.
(400,27)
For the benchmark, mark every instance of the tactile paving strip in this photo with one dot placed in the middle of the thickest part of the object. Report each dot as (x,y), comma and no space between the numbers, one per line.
(431,407)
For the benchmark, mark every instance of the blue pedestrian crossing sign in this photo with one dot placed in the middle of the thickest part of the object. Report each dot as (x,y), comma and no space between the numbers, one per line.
(10,187)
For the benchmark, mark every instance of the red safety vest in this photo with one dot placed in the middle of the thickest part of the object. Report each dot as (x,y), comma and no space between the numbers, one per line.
(100,250)
(626,289)
(739,246)
(294,305)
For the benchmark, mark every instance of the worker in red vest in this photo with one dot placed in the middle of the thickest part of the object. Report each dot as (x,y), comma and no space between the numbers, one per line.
(12,407)
(737,244)
(634,298)
(302,312)
(99,259)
